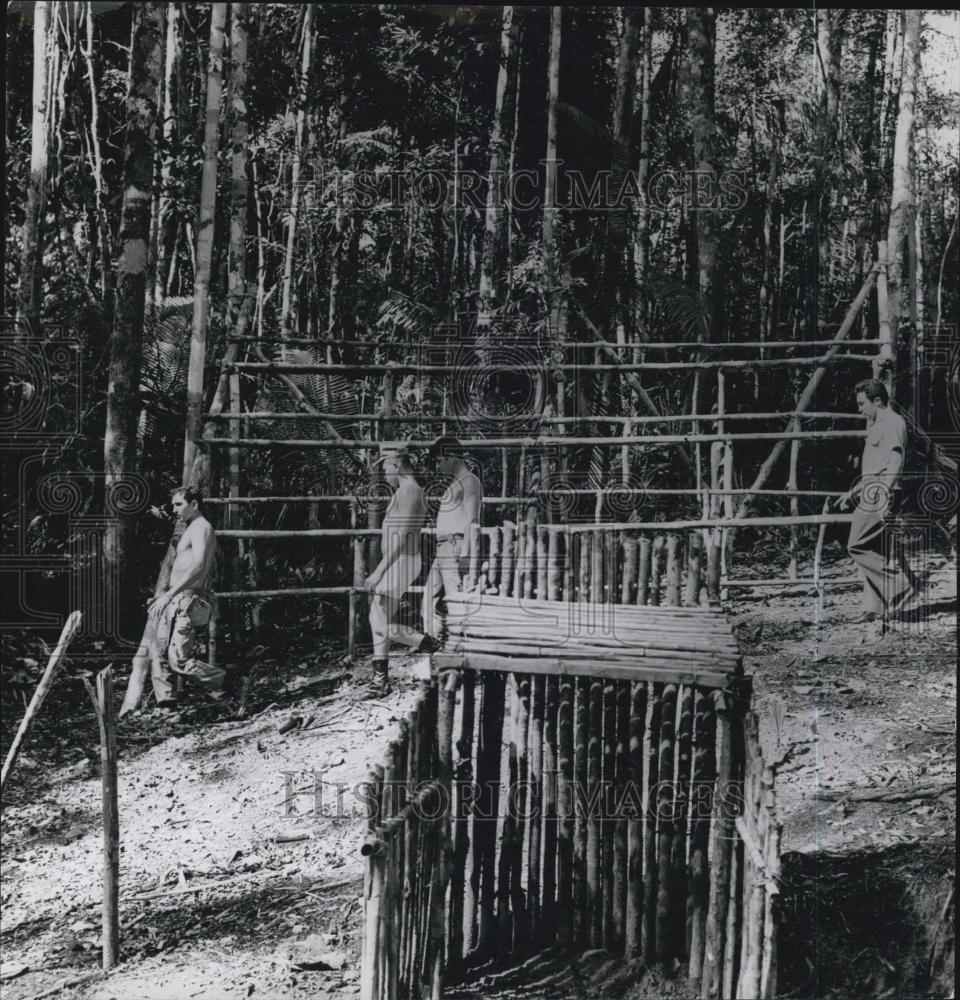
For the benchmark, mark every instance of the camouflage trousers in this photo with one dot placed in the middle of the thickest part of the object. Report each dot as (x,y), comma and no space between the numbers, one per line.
(176,644)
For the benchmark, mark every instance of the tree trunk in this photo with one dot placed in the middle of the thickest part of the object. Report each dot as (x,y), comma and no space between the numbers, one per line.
(286,305)
(31,254)
(698,86)
(491,263)
(208,204)
(902,204)
(126,338)
(550,187)
(171,57)
(237,270)
(643,170)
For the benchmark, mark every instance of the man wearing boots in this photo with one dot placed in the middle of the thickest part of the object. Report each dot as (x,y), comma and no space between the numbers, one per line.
(460,508)
(186,606)
(399,567)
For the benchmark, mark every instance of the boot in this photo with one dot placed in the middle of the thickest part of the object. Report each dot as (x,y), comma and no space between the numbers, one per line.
(379,684)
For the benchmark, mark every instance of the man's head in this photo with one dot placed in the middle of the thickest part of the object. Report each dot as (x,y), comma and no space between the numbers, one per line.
(185,501)
(395,465)
(871,395)
(447,454)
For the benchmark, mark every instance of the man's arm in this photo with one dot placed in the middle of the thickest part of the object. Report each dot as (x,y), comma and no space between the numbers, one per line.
(410,514)
(472,502)
(203,545)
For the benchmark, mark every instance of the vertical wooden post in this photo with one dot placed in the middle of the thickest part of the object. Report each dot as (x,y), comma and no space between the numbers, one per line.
(534,843)
(359,574)
(387,940)
(473,570)
(461,831)
(548,838)
(555,568)
(713,570)
(596,568)
(638,717)
(619,884)
(483,875)
(704,772)
(629,577)
(610,582)
(794,503)
(648,927)
(728,511)
(594,760)
(581,922)
(446,695)
(691,593)
(569,593)
(110,932)
(370,970)
(656,555)
(512,748)
(723,828)
(506,565)
(643,572)
(543,567)
(607,798)
(493,559)
(566,807)
(678,863)
(584,538)
(529,554)
(665,821)
(731,948)
(673,570)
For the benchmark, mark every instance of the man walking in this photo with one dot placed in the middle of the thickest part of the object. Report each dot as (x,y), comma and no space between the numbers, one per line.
(886,590)
(398,569)
(460,508)
(186,606)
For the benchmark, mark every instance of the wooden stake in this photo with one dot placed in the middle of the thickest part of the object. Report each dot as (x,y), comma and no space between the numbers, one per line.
(519,805)
(643,570)
(506,566)
(665,821)
(610,581)
(507,820)
(656,555)
(565,810)
(370,967)
(554,566)
(678,862)
(713,569)
(568,593)
(620,881)
(586,543)
(731,949)
(548,836)
(388,957)
(629,570)
(535,844)
(700,802)
(607,799)
(493,570)
(543,567)
(581,922)
(596,568)
(461,824)
(633,919)
(648,927)
(446,696)
(673,570)
(483,876)
(691,594)
(594,900)
(70,629)
(723,829)
(529,555)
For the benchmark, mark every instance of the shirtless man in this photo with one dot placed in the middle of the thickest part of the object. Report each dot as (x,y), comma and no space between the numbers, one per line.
(459,509)
(186,605)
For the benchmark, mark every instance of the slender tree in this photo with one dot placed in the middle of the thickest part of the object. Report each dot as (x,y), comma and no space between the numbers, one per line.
(29,292)
(208,205)
(551,270)
(126,339)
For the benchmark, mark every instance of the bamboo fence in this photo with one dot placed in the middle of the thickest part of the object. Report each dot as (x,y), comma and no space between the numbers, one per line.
(607,789)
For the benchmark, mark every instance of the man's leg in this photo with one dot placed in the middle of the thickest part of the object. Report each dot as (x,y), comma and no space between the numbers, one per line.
(884,588)
(432,589)
(183,644)
(164,680)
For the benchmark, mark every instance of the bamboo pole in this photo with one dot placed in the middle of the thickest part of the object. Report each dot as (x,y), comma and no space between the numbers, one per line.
(607,798)
(549,823)
(70,629)
(565,811)
(493,560)
(446,697)
(535,840)
(732,938)
(529,555)
(665,946)
(594,900)
(506,565)
(673,570)
(585,542)
(568,593)
(620,844)
(554,566)
(701,800)
(691,594)
(768,968)
(387,938)
(653,595)
(543,566)
(678,861)
(359,575)
(794,503)
(473,570)
(411,849)
(514,931)
(581,921)
(713,569)
(459,901)
(370,985)
(611,548)
(643,571)
(488,778)
(650,871)
(596,567)
(635,823)
(629,576)
(723,829)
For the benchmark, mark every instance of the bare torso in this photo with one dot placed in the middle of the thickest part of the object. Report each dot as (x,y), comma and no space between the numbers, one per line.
(197,543)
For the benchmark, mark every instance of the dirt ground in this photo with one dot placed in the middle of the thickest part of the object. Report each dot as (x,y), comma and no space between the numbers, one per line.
(219,901)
